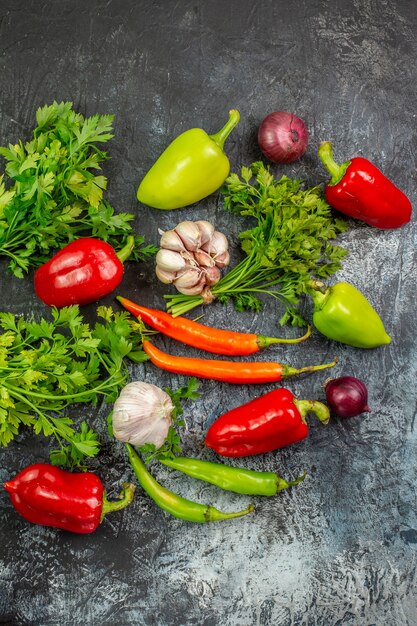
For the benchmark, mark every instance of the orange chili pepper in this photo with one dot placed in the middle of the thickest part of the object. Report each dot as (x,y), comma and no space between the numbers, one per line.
(227,371)
(203,337)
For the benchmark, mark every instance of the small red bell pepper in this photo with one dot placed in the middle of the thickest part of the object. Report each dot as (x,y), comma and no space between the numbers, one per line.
(359,189)
(84,271)
(272,421)
(44,494)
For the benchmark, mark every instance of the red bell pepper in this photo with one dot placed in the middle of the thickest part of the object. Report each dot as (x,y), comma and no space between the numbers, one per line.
(84,271)
(267,423)
(359,189)
(44,494)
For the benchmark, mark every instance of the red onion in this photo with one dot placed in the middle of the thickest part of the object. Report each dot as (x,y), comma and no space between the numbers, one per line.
(283,137)
(346,396)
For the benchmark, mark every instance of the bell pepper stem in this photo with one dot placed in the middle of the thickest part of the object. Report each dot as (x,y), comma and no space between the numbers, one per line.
(220,137)
(127,249)
(125,499)
(318,292)
(335,170)
(320,410)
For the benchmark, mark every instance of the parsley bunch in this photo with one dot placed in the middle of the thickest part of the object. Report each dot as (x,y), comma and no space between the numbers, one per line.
(48,366)
(55,192)
(289,244)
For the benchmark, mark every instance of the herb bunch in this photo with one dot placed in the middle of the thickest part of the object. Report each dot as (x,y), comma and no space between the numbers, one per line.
(55,192)
(290,243)
(47,366)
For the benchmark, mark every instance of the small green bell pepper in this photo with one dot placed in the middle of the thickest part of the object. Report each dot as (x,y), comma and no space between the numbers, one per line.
(342,313)
(191,168)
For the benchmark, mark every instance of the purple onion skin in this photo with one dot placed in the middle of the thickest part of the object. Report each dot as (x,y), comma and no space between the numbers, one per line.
(283,137)
(347,396)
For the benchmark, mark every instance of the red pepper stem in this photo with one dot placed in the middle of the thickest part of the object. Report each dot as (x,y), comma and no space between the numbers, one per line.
(335,170)
(127,249)
(125,499)
(220,137)
(293,371)
(320,410)
(265,342)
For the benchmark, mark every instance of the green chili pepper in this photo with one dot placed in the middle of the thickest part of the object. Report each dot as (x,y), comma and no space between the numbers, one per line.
(236,479)
(171,502)
(191,168)
(342,313)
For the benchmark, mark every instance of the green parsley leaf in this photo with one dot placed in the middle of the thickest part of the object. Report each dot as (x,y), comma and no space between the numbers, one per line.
(54,194)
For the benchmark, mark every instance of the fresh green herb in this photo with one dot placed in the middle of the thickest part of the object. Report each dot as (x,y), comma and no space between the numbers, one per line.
(55,193)
(172,446)
(289,244)
(85,443)
(48,366)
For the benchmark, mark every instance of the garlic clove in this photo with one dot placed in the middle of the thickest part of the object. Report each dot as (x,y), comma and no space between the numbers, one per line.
(185,284)
(142,414)
(171,241)
(188,278)
(189,234)
(206,231)
(217,245)
(193,291)
(165,277)
(222,260)
(203,258)
(213,275)
(170,261)
(189,258)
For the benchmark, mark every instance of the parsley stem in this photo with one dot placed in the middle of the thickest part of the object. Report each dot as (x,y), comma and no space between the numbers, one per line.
(72,396)
(55,430)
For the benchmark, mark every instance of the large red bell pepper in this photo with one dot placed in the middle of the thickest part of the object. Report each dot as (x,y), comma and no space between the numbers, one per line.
(359,189)
(86,270)
(44,494)
(272,421)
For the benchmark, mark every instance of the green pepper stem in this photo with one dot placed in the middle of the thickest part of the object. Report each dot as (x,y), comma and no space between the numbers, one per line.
(127,249)
(284,484)
(125,499)
(220,137)
(265,342)
(335,170)
(320,410)
(318,292)
(176,505)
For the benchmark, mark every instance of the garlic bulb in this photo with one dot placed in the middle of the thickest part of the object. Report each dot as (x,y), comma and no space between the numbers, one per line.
(191,256)
(142,414)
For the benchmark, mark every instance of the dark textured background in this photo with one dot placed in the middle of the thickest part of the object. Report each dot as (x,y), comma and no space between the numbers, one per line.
(341,548)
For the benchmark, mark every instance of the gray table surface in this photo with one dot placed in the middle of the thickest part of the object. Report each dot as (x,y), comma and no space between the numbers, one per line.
(341,548)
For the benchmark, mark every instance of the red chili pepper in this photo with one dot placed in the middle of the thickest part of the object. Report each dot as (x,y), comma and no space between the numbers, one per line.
(226,371)
(203,337)
(44,494)
(359,189)
(84,271)
(267,423)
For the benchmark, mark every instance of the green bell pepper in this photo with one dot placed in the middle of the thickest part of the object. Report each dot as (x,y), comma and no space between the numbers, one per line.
(342,313)
(191,168)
